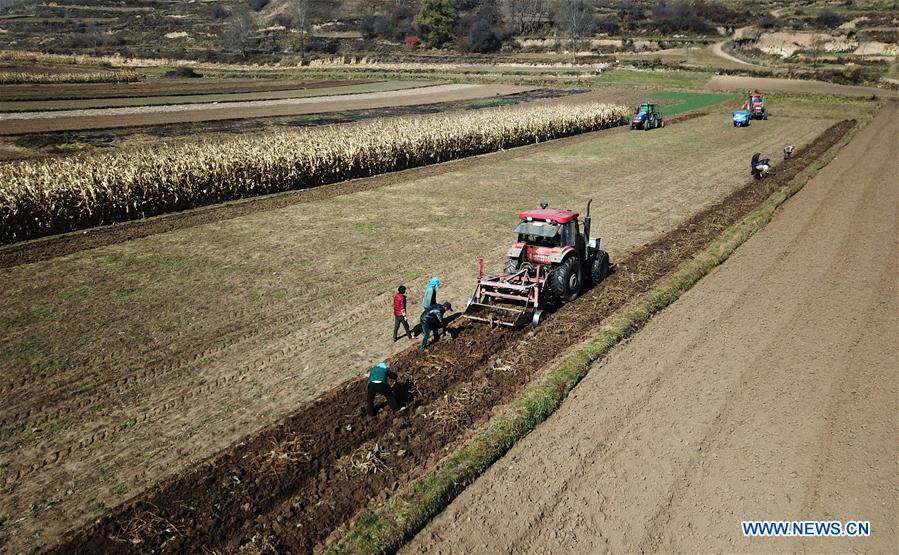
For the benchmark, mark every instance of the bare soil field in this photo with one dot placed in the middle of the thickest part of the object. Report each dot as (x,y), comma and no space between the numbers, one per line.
(15,124)
(161,87)
(254,315)
(768,391)
(740,83)
(75,106)
(252,492)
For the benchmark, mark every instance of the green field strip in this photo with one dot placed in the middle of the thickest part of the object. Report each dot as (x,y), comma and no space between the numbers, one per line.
(679,102)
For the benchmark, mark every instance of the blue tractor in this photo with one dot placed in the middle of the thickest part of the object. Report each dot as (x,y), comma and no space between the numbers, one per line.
(741,118)
(646,117)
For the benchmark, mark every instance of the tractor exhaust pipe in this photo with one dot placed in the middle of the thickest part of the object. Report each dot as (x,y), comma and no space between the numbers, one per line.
(587,220)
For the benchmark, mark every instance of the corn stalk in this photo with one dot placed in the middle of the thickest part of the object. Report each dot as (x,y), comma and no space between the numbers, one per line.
(41,197)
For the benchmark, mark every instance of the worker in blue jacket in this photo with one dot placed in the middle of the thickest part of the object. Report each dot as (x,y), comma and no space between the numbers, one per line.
(378,384)
(430,297)
(432,320)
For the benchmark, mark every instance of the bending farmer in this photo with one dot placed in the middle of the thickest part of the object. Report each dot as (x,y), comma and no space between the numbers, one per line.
(432,319)
(378,385)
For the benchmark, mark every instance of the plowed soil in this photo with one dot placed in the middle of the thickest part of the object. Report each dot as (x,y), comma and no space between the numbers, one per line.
(768,391)
(165,115)
(64,91)
(740,83)
(294,483)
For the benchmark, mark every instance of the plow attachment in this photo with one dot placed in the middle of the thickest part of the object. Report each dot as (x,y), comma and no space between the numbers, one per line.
(511,300)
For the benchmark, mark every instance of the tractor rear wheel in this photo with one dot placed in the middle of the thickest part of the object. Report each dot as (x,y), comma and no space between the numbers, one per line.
(565,281)
(600,268)
(512,266)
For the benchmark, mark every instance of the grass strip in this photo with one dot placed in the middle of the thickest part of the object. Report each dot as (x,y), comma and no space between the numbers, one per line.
(689,101)
(386,529)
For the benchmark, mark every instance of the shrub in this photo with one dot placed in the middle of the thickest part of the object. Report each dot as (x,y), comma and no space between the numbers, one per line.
(219,12)
(771,22)
(828,19)
(680,16)
(607,24)
(257,5)
(483,38)
(182,72)
(436,19)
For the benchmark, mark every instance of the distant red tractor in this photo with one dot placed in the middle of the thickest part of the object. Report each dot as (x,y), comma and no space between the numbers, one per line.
(549,265)
(756,107)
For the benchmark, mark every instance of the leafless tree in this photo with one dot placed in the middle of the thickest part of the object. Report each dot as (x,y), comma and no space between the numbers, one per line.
(301,22)
(818,42)
(525,15)
(576,20)
(240,32)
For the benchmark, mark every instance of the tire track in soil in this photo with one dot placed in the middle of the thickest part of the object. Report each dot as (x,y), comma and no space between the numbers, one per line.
(236,495)
(55,246)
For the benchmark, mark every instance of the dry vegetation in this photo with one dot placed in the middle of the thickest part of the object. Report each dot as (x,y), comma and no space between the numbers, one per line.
(23,77)
(62,194)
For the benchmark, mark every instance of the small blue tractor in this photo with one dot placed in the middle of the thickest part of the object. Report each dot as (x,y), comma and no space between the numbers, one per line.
(741,118)
(647,117)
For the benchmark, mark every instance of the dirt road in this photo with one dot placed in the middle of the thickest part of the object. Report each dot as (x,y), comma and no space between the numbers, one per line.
(719,51)
(769,391)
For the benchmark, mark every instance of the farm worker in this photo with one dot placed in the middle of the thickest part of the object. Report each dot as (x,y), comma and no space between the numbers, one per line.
(399,312)
(378,385)
(432,319)
(430,297)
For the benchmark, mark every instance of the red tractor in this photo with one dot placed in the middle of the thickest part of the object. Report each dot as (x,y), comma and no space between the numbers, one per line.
(755,105)
(548,266)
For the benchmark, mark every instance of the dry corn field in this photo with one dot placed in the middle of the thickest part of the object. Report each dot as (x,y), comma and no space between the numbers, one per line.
(22,77)
(63,194)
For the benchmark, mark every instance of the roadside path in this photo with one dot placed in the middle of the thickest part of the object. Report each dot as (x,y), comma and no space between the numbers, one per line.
(719,51)
(768,391)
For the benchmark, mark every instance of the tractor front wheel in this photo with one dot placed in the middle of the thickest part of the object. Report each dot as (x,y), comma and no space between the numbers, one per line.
(565,280)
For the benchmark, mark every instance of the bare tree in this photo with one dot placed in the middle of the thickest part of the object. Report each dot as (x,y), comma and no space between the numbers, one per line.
(576,20)
(240,32)
(525,15)
(818,43)
(301,21)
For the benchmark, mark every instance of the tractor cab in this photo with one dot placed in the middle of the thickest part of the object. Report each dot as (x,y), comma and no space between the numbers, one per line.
(548,228)
(643,111)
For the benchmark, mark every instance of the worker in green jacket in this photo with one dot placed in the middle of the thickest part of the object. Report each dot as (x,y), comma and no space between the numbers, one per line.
(378,384)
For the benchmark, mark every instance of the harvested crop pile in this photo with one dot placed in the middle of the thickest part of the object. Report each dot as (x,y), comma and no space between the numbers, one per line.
(64,194)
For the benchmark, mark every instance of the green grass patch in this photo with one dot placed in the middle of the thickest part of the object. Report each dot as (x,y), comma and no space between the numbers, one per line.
(386,529)
(680,102)
(653,79)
